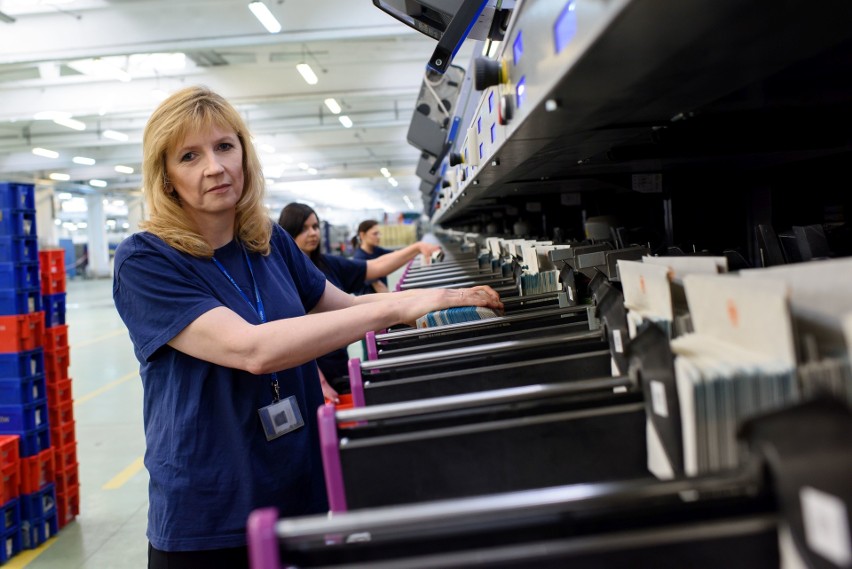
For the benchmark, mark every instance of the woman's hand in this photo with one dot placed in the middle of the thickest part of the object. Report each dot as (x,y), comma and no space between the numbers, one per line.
(419,302)
(327,390)
(426,249)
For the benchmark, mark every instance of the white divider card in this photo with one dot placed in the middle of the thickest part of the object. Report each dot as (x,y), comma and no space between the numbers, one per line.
(820,293)
(647,294)
(493,245)
(755,317)
(682,266)
(739,362)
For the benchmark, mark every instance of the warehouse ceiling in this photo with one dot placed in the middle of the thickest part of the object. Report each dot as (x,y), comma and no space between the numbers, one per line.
(107,63)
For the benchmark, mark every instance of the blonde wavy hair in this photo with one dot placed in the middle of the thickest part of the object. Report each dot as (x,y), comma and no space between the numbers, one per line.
(191,110)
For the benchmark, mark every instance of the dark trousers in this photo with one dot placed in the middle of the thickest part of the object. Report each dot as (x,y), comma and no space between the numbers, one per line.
(232,558)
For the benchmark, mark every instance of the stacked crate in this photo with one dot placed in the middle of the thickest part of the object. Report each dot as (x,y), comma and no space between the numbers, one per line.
(23,389)
(10,491)
(60,403)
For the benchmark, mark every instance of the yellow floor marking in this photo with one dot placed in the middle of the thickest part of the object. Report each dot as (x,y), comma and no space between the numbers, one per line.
(99,338)
(111,385)
(24,558)
(122,477)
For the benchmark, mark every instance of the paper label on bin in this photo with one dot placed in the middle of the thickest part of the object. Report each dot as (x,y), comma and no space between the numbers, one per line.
(826,525)
(658,399)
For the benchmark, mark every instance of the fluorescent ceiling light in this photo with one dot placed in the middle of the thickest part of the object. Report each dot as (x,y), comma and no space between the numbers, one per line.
(59,177)
(115,135)
(64,196)
(124,169)
(83,160)
(268,148)
(408,202)
(332,105)
(345,121)
(307,73)
(262,13)
(98,183)
(45,152)
(303,165)
(101,67)
(51,115)
(393,182)
(385,172)
(70,123)
(312,171)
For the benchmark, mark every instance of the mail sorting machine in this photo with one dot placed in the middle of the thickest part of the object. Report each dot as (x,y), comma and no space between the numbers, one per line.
(490,354)
(582,425)
(761,514)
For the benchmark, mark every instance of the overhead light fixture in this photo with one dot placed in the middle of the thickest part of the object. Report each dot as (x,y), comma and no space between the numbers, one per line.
(102,67)
(385,172)
(408,202)
(59,177)
(262,13)
(70,123)
(45,152)
(312,171)
(303,165)
(124,169)
(345,121)
(115,135)
(268,148)
(332,105)
(393,182)
(307,73)
(83,160)
(98,183)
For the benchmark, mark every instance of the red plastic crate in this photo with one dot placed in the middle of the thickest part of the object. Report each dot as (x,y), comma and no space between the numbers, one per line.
(37,470)
(10,482)
(9,453)
(56,364)
(56,337)
(52,272)
(21,332)
(52,262)
(66,455)
(67,505)
(59,392)
(63,434)
(61,414)
(67,479)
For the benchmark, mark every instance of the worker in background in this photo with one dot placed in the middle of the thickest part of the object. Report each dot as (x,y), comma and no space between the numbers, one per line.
(226,316)
(348,275)
(366,247)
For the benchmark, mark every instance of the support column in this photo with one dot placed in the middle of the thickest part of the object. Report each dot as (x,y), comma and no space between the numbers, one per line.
(98,248)
(45,214)
(135,212)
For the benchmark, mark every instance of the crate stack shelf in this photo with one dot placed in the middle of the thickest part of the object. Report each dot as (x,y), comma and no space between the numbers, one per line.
(60,402)
(39,491)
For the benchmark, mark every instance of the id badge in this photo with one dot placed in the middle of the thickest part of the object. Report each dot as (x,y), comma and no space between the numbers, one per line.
(280,417)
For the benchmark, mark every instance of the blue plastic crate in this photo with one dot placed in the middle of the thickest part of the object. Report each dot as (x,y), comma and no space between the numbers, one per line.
(11,545)
(11,512)
(18,249)
(34,441)
(15,365)
(18,223)
(15,391)
(39,505)
(17,196)
(23,417)
(19,276)
(35,532)
(20,301)
(54,309)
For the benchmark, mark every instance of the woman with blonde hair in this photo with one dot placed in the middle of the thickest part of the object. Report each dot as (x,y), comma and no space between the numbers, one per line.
(227,316)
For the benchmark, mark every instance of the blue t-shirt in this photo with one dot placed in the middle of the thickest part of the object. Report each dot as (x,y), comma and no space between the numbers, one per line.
(348,276)
(209,461)
(367,287)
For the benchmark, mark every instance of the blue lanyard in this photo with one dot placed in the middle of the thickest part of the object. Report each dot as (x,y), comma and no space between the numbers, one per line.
(257,306)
